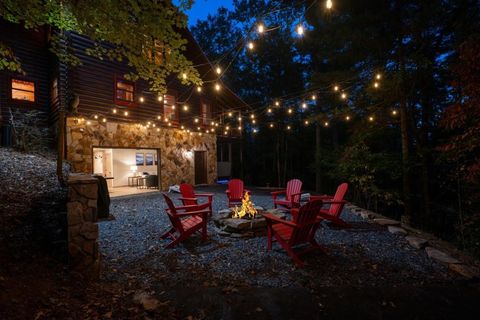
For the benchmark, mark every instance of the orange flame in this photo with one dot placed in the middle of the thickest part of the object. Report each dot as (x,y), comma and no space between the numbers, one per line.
(247,208)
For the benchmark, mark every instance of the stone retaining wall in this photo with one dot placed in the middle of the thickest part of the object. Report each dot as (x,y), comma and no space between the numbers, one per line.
(82,224)
(176,147)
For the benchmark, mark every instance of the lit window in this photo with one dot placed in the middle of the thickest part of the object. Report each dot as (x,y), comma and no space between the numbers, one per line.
(23,90)
(124,91)
(169,108)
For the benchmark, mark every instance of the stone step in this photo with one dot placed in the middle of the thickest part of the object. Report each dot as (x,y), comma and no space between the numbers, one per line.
(386,222)
(440,256)
(416,242)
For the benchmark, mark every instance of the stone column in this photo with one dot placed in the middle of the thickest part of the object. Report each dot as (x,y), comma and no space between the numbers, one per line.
(82,225)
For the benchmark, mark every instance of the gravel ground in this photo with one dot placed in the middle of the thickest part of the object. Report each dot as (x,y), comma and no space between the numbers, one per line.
(367,254)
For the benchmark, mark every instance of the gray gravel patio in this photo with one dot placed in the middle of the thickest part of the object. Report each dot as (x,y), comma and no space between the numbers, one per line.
(365,256)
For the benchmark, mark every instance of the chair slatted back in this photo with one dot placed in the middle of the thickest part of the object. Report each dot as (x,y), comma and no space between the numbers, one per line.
(187,192)
(172,214)
(235,186)
(336,209)
(306,219)
(293,186)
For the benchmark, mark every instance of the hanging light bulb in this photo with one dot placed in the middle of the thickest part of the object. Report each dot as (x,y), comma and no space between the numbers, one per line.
(394,112)
(370,119)
(252,116)
(314,97)
(114,111)
(196,120)
(254,130)
(227,128)
(300,30)
(95,117)
(184,76)
(104,120)
(182,127)
(218,70)
(199,89)
(290,111)
(217,87)
(306,122)
(250,45)
(159,117)
(271,125)
(225,133)
(230,114)
(277,103)
(261,28)
(239,127)
(158,129)
(142,99)
(126,113)
(329,4)
(288,127)
(160,98)
(253,121)
(326,124)
(304,105)
(335,88)
(269,110)
(344,96)
(89,122)
(239,119)
(378,76)
(347,118)
(185,107)
(173,107)
(376,84)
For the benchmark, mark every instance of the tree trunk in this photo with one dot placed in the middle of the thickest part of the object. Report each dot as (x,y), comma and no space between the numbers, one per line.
(61,144)
(318,170)
(407,214)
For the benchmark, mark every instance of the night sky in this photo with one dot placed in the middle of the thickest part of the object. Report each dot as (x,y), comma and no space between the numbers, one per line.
(202,8)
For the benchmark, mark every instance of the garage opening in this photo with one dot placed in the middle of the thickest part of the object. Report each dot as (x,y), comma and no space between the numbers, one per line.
(128,170)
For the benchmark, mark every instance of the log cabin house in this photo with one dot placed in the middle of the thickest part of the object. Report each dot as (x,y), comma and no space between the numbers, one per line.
(118,128)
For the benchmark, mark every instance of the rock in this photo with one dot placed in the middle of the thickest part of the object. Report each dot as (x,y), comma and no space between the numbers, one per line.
(462,270)
(237,224)
(224,212)
(386,222)
(277,212)
(417,243)
(258,223)
(146,301)
(396,230)
(440,256)
(366,215)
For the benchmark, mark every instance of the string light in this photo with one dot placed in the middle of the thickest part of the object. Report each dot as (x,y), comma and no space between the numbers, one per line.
(212,124)
(104,120)
(196,120)
(290,111)
(300,30)
(304,105)
(159,117)
(252,116)
(184,76)
(254,130)
(159,98)
(347,118)
(239,119)
(378,76)
(217,87)
(329,4)
(376,84)
(250,45)
(288,127)
(114,111)
(227,128)
(277,103)
(394,112)
(158,129)
(335,88)
(199,89)
(370,119)
(344,96)
(269,110)
(185,107)
(261,28)
(326,124)
(225,133)
(89,122)
(240,128)
(154,125)
(173,107)
(182,127)
(95,116)
(306,122)
(126,113)
(218,70)
(142,99)
(314,97)
(271,125)
(253,121)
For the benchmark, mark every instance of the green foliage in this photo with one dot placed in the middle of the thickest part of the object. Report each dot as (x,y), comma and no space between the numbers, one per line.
(8,61)
(28,135)
(144,34)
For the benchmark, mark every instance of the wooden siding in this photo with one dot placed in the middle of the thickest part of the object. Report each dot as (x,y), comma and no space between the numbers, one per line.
(31,48)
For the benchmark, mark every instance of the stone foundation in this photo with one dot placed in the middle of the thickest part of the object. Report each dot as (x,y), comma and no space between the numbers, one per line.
(176,147)
(82,225)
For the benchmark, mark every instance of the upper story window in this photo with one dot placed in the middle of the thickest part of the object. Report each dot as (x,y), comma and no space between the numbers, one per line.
(124,91)
(23,90)
(170,111)
(206,113)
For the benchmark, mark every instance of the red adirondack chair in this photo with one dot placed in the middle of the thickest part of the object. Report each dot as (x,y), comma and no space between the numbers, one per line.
(298,231)
(336,203)
(189,197)
(292,195)
(235,192)
(185,223)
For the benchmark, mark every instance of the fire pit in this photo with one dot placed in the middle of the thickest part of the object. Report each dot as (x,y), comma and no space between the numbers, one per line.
(244,221)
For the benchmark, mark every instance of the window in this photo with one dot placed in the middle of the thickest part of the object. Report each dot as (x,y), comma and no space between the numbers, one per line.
(23,90)
(139,159)
(206,113)
(124,92)
(149,159)
(169,109)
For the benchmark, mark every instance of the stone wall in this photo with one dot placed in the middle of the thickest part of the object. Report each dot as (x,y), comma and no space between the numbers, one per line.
(82,224)
(176,147)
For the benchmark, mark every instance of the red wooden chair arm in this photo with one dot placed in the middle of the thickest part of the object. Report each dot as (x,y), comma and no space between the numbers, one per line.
(276,193)
(322,197)
(334,202)
(187,207)
(273,218)
(190,213)
(204,195)
(188,199)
